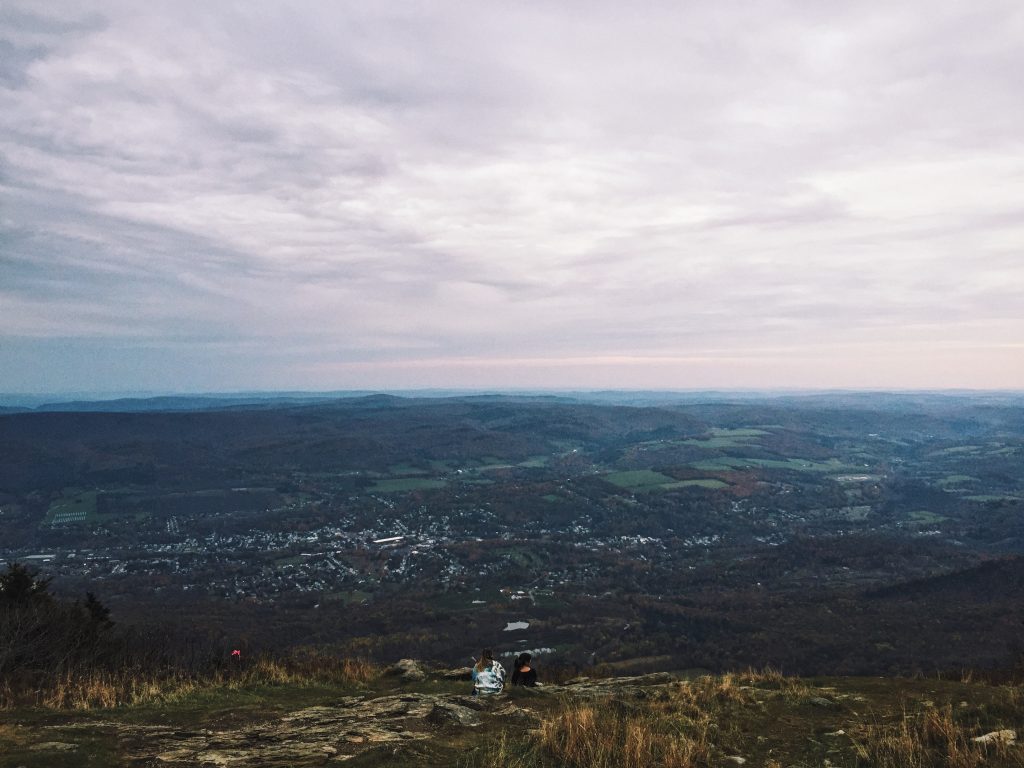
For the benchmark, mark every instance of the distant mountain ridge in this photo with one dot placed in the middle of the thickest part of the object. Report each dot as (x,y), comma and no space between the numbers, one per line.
(876,399)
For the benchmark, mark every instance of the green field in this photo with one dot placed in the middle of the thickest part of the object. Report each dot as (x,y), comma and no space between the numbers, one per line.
(954,481)
(727,438)
(704,482)
(406,470)
(924,516)
(534,462)
(715,439)
(649,480)
(1006,450)
(401,485)
(726,463)
(718,442)
(638,478)
(74,506)
(976,451)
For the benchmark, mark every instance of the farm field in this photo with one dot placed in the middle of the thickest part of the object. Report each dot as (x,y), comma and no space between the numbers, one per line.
(399,485)
(74,506)
(706,482)
(797,465)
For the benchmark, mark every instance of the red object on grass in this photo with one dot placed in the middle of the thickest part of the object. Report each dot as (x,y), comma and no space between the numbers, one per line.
(237,654)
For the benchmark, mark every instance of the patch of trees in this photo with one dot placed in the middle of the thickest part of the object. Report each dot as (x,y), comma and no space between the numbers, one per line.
(46,641)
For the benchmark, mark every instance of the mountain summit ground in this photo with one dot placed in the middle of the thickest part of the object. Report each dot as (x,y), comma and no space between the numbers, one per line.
(754,719)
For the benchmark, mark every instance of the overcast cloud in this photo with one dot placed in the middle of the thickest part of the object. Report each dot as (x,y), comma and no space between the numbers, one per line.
(211,196)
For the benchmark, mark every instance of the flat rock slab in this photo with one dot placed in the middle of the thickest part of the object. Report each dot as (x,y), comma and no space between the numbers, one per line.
(312,736)
(54,746)
(333,734)
(444,713)
(1006,736)
(462,673)
(643,685)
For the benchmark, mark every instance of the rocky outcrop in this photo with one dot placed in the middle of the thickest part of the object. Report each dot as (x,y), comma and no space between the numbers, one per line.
(462,673)
(408,671)
(323,734)
(1005,736)
(334,733)
(640,685)
(449,713)
(438,721)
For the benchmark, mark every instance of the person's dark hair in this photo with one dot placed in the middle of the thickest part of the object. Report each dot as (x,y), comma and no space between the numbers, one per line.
(522,660)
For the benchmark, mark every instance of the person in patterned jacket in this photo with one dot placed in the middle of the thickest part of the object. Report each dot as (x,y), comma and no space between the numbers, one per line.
(488,675)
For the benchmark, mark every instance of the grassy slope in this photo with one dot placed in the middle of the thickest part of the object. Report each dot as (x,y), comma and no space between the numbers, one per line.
(763,719)
(774,722)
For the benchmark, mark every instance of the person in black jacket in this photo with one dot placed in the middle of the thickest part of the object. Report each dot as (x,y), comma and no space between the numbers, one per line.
(522,672)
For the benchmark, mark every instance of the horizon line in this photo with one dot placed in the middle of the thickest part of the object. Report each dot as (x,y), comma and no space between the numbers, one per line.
(142,394)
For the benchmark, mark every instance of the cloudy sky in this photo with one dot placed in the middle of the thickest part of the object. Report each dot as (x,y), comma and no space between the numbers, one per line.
(224,196)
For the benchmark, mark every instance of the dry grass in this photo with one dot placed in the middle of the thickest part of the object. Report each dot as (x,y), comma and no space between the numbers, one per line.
(11,735)
(505,751)
(91,690)
(676,728)
(591,736)
(771,678)
(1013,696)
(696,698)
(932,739)
(766,675)
(605,734)
(700,722)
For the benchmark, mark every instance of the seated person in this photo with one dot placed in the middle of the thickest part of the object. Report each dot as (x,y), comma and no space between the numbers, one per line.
(488,675)
(522,672)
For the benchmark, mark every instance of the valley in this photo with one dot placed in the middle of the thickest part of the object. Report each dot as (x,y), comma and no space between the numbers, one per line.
(705,532)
